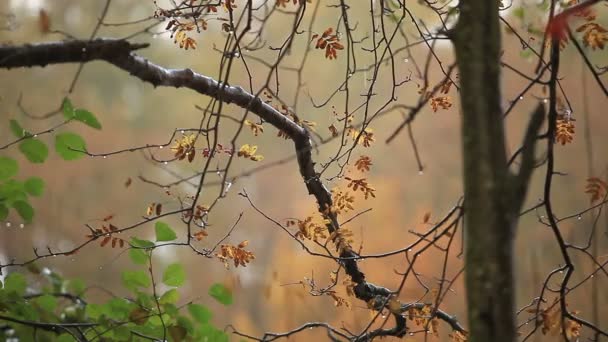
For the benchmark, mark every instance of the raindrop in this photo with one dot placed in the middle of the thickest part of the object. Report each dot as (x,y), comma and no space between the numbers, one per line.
(104,157)
(8,224)
(165,163)
(579,217)
(591,276)
(182,131)
(100,267)
(84,49)
(383,316)
(420,172)
(521,97)
(407,60)
(35,135)
(411,334)
(73,259)
(409,249)
(161,147)
(545,100)
(21,225)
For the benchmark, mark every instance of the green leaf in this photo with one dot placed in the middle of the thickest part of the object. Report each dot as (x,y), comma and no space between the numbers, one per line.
(87,118)
(221,293)
(164,232)
(8,168)
(67,108)
(135,279)
(12,190)
(15,282)
(25,210)
(66,143)
(138,256)
(17,130)
(174,275)
(200,313)
(34,186)
(3,212)
(170,296)
(46,302)
(94,311)
(34,150)
(76,286)
(135,242)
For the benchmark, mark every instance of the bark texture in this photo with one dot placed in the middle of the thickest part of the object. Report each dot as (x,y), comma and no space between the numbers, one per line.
(491,192)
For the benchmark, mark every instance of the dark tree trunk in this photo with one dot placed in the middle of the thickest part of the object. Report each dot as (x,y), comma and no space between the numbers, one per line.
(490,218)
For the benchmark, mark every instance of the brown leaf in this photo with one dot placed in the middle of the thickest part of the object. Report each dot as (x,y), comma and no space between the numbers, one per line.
(44,21)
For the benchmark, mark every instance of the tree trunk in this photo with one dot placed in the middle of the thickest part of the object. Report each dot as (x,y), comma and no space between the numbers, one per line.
(489,215)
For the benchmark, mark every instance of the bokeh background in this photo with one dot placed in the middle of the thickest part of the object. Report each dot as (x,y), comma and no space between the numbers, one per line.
(267,294)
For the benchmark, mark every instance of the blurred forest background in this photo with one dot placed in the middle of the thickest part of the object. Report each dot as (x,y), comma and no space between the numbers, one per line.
(268,295)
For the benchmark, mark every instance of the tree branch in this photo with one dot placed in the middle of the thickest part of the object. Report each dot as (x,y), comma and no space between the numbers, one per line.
(120,53)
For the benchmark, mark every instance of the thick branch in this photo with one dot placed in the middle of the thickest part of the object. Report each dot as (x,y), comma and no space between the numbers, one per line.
(120,53)
(527,159)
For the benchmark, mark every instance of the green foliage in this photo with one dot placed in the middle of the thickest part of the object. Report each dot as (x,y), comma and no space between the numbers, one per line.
(34,295)
(25,210)
(69,146)
(34,186)
(82,115)
(174,275)
(164,232)
(61,301)
(14,194)
(8,168)
(221,293)
(17,130)
(34,150)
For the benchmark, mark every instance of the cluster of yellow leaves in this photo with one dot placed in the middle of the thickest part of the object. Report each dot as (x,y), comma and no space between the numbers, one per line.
(551,321)
(341,201)
(237,254)
(594,35)
(421,318)
(339,301)
(200,214)
(201,234)
(445,102)
(363,163)
(343,239)
(438,102)
(107,232)
(255,128)
(328,41)
(308,229)
(184,147)
(597,188)
(365,137)
(248,151)
(361,184)
(457,336)
(154,208)
(564,130)
(283,3)
(179,32)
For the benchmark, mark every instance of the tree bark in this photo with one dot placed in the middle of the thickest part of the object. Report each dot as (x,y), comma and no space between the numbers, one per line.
(491,194)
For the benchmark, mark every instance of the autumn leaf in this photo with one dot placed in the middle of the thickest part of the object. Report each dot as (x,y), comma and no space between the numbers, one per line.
(597,188)
(363,163)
